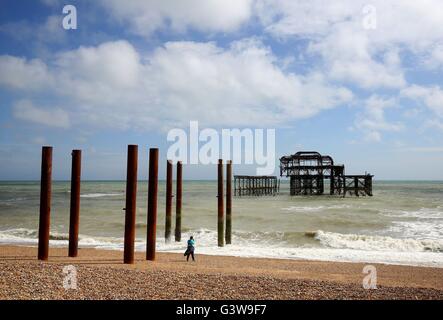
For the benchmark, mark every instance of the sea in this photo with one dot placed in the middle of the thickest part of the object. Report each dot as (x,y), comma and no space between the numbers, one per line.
(401,224)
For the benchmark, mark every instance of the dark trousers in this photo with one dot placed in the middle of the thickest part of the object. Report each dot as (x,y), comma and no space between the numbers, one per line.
(190,252)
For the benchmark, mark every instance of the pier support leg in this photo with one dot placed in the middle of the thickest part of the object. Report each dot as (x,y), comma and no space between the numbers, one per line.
(368,185)
(228,202)
(235,186)
(220,224)
(131,204)
(168,221)
(152,203)
(356,186)
(45,203)
(74,214)
(178,204)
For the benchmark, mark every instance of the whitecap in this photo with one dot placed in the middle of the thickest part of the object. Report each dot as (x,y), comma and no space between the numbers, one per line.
(377,243)
(100,195)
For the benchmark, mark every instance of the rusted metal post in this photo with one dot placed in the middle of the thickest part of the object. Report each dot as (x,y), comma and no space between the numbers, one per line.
(45,203)
(356,186)
(168,221)
(152,203)
(220,224)
(368,184)
(131,204)
(178,204)
(74,214)
(228,202)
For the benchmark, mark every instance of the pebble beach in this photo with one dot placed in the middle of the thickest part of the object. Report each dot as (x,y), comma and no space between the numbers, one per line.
(101,274)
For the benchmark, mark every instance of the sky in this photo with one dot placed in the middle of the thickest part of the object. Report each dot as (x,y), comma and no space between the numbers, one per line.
(358,80)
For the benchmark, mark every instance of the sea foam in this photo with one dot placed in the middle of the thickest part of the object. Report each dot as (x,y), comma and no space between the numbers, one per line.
(331,246)
(100,195)
(378,243)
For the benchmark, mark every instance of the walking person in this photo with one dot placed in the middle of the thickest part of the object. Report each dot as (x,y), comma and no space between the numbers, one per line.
(190,250)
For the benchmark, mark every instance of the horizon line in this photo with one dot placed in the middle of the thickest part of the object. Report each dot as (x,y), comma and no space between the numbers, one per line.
(122,180)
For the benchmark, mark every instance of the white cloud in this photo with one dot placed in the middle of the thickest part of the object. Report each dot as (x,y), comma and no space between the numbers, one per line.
(28,32)
(240,85)
(431,97)
(372,121)
(351,53)
(414,23)
(114,64)
(283,18)
(19,73)
(348,58)
(115,86)
(434,58)
(54,117)
(434,123)
(146,16)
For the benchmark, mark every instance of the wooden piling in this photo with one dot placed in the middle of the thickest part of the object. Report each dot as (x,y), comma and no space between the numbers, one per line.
(228,202)
(152,203)
(178,204)
(74,214)
(131,204)
(168,215)
(45,203)
(220,224)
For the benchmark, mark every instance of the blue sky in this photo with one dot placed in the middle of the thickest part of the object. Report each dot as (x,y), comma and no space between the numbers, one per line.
(323,75)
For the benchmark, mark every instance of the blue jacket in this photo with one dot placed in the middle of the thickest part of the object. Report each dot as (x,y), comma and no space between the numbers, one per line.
(191,243)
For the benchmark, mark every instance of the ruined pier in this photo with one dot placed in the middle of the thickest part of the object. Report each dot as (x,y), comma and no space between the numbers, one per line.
(256,185)
(309,170)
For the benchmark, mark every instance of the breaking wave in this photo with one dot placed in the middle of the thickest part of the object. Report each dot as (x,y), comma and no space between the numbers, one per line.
(325,246)
(378,243)
(100,195)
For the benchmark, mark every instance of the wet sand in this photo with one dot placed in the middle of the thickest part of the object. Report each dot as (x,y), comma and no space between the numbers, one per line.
(101,274)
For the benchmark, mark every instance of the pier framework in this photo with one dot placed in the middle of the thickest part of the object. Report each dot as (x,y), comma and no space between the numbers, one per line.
(256,185)
(308,170)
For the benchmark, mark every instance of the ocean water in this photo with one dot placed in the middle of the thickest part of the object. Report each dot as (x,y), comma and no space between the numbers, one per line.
(401,224)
